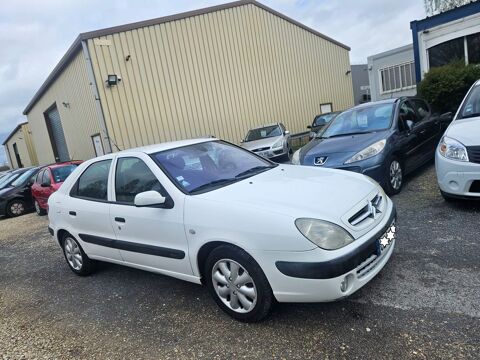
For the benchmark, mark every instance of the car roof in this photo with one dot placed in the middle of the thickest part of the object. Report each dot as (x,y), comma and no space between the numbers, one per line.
(150,149)
(62,164)
(264,126)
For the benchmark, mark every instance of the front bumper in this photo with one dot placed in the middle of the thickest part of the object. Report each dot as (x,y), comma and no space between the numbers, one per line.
(271,154)
(300,277)
(456,177)
(3,207)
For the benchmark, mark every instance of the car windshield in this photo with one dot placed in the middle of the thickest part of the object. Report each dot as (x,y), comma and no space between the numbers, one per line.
(8,179)
(210,165)
(61,173)
(471,106)
(23,178)
(263,133)
(361,120)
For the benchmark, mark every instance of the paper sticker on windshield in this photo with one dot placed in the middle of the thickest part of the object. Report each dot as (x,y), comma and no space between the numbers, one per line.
(362,120)
(263,133)
(180,178)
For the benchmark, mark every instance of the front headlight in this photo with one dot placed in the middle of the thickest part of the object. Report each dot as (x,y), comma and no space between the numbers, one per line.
(324,234)
(278,144)
(453,149)
(296,157)
(368,152)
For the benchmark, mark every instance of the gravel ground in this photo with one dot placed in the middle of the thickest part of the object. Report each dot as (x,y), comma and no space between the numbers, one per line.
(424,304)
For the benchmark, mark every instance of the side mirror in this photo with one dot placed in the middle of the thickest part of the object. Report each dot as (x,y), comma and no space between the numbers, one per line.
(448,116)
(149,199)
(309,126)
(287,132)
(242,141)
(409,124)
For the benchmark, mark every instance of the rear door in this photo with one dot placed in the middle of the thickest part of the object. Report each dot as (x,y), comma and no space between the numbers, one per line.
(88,212)
(430,125)
(411,140)
(152,237)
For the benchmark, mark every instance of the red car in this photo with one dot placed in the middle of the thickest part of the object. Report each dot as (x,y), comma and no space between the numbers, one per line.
(48,180)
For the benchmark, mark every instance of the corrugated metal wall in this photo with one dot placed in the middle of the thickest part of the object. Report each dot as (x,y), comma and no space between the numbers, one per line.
(25,147)
(219,73)
(79,118)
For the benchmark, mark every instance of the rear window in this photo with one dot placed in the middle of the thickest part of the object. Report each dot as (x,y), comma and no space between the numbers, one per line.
(93,183)
(60,174)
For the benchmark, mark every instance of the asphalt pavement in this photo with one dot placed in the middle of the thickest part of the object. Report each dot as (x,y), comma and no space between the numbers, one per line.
(425,304)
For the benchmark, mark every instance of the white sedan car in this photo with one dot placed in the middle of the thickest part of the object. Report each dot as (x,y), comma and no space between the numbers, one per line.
(212,213)
(457,159)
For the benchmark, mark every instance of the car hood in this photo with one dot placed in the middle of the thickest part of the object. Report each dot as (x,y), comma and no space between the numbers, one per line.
(298,191)
(256,144)
(465,130)
(341,144)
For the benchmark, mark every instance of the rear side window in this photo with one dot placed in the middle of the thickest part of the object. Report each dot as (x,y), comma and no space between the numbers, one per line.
(133,176)
(38,179)
(93,183)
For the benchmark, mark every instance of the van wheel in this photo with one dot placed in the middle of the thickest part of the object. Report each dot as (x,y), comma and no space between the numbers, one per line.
(76,258)
(16,208)
(38,209)
(394,177)
(238,284)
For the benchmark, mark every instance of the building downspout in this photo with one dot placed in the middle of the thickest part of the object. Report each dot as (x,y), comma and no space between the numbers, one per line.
(98,104)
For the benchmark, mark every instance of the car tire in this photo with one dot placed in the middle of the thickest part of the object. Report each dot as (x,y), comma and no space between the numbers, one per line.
(16,208)
(394,176)
(38,209)
(76,258)
(249,299)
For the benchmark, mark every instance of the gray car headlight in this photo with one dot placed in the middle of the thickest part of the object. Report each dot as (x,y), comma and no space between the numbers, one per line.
(324,234)
(296,157)
(368,152)
(278,144)
(452,149)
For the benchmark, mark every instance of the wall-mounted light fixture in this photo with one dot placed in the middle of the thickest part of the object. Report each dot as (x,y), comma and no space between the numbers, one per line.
(348,72)
(66,104)
(113,80)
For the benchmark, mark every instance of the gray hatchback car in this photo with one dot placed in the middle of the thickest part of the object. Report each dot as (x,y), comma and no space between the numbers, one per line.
(269,141)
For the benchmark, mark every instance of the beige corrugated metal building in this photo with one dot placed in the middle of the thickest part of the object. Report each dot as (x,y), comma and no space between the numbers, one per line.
(19,147)
(219,71)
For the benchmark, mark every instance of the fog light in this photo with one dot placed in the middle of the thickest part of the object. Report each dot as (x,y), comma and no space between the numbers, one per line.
(454,185)
(344,284)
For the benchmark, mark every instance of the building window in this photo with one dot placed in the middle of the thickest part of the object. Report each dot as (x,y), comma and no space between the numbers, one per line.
(397,77)
(473,46)
(445,53)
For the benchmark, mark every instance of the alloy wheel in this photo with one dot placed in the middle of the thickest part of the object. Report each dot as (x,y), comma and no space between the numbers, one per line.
(37,207)
(73,254)
(17,208)
(396,176)
(234,286)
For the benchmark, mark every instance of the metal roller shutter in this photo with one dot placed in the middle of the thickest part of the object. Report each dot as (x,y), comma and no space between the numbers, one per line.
(58,135)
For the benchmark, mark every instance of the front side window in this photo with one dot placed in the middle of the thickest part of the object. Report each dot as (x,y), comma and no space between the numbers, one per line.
(93,183)
(132,176)
(60,174)
(406,112)
(421,107)
(321,120)
(471,106)
(39,177)
(263,133)
(46,178)
(210,165)
(361,120)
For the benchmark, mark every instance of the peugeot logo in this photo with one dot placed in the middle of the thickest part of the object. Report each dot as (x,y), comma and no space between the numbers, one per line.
(320,160)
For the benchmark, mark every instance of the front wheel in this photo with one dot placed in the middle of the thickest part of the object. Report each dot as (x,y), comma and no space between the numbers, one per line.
(238,284)
(394,177)
(38,209)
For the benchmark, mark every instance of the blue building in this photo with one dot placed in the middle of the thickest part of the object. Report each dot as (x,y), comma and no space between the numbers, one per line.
(451,35)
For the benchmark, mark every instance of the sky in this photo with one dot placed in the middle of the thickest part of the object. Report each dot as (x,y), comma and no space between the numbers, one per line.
(35,34)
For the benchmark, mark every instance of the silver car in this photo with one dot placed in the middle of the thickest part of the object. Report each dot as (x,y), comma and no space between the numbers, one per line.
(269,141)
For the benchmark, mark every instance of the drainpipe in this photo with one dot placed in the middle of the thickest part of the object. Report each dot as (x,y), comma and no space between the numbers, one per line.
(98,104)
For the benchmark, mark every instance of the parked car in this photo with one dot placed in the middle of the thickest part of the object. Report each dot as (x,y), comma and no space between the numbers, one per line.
(319,123)
(16,199)
(4,173)
(7,180)
(269,141)
(457,160)
(48,180)
(385,140)
(210,212)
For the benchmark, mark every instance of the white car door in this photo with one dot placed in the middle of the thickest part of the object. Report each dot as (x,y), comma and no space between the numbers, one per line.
(152,237)
(88,212)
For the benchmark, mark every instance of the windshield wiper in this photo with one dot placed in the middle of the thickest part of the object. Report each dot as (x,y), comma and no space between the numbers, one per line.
(214,183)
(347,134)
(470,115)
(254,170)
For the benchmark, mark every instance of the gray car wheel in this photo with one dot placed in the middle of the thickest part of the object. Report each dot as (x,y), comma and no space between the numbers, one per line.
(76,258)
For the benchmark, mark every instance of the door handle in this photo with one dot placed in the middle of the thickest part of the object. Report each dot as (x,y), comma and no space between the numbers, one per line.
(72,213)
(423,131)
(120,219)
